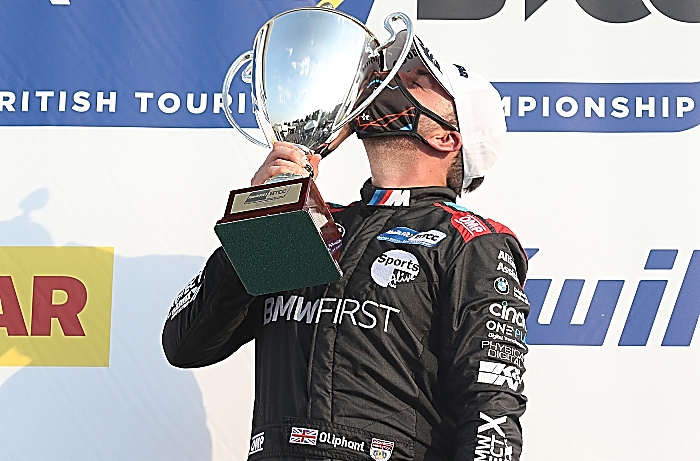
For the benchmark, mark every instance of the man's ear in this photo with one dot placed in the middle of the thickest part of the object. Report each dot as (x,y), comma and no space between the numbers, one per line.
(445,140)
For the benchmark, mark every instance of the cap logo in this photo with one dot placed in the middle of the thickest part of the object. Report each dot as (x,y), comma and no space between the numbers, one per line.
(428,54)
(462,71)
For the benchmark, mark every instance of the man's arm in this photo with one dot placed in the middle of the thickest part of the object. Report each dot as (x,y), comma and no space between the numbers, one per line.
(484,337)
(210,318)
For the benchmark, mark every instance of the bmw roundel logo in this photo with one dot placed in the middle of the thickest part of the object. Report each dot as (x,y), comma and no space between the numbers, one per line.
(501,285)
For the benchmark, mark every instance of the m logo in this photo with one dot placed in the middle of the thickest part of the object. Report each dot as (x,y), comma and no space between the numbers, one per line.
(391,197)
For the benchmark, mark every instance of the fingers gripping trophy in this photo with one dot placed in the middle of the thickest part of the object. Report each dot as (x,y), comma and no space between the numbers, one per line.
(307,70)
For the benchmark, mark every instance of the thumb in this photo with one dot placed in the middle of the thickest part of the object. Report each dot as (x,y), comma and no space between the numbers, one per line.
(315,159)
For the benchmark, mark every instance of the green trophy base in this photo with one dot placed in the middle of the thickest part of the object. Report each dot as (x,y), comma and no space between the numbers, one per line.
(280,237)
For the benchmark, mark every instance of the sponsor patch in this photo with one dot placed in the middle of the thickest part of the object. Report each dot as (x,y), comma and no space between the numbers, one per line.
(391,197)
(500,331)
(187,294)
(492,443)
(503,352)
(499,374)
(412,237)
(508,270)
(502,255)
(381,450)
(518,293)
(394,267)
(509,314)
(303,436)
(256,443)
(471,224)
(501,285)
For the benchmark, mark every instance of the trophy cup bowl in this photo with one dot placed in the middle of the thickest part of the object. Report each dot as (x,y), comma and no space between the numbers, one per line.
(307,70)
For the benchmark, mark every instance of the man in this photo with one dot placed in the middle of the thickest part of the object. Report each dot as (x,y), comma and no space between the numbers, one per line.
(417,353)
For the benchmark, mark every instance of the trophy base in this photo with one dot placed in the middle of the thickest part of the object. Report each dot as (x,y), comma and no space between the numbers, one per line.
(280,237)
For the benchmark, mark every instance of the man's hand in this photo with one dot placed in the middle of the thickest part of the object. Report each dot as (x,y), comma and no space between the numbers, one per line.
(285,157)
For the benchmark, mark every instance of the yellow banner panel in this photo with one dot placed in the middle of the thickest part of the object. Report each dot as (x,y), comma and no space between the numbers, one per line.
(55,306)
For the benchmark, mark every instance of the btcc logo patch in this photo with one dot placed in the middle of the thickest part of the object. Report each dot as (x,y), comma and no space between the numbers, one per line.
(412,237)
(394,267)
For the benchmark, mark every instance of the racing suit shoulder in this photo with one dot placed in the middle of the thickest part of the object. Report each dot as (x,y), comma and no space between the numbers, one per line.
(473,227)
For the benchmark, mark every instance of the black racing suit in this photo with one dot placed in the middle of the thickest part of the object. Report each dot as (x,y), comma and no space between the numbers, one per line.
(415,354)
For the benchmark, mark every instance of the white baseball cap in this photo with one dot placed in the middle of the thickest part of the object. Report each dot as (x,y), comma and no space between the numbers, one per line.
(480,115)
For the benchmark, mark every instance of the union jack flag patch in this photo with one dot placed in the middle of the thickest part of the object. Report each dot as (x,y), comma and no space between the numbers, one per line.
(303,436)
(381,450)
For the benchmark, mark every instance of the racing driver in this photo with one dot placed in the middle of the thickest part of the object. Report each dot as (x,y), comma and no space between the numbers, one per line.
(417,352)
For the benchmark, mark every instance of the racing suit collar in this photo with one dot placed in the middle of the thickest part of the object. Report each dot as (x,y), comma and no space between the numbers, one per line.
(408,197)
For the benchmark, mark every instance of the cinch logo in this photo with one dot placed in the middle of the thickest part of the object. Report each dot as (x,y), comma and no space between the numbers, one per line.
(620,12)
(642,313)
(55,306)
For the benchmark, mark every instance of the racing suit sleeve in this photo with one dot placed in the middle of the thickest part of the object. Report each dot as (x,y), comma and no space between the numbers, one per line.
(209,319)
(484,346)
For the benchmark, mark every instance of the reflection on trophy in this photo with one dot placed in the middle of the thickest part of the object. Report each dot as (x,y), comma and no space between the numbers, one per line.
(306,70)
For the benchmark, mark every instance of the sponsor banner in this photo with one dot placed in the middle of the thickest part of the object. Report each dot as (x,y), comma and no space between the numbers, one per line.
(561,330)
(56,306)
(600,107)
(110,66)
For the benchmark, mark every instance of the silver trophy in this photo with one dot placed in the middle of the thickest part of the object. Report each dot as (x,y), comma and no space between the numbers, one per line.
(308,71)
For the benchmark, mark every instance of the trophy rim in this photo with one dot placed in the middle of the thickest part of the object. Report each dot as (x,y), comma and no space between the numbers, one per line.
(319,8)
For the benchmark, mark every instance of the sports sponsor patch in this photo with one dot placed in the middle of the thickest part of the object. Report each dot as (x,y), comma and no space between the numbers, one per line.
(412,237)
(303,436)
(393,267)
(381,450)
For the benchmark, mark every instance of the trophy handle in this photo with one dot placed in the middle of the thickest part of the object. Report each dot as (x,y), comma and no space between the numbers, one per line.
(395,70)
(246,77)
